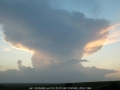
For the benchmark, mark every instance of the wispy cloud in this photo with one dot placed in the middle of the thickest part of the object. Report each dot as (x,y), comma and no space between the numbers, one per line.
(113,36)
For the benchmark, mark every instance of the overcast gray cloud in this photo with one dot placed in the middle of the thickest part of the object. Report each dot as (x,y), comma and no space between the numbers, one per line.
(58,38)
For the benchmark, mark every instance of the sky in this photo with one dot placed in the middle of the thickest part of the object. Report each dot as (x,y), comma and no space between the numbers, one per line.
(59,41)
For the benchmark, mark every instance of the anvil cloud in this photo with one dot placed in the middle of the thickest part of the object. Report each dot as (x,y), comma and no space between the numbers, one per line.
(54,36)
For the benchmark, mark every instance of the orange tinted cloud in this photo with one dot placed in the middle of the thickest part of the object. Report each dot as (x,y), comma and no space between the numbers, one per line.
(94,46)
(113,37)
(21,47)
(109,28)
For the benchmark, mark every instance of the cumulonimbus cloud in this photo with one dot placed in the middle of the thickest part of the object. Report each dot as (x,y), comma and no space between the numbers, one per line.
(54,36)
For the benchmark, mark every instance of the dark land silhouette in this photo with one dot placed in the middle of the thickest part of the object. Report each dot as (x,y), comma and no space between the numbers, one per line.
(102,85)
(112,86)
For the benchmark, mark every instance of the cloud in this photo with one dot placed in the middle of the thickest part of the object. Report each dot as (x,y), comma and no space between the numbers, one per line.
(50,34)
(57,38)
(84,60)
(114,35)
(114,76)
(19,62)
(55,73)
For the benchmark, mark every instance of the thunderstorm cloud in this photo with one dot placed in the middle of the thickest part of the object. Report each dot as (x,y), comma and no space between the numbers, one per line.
(58,39)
